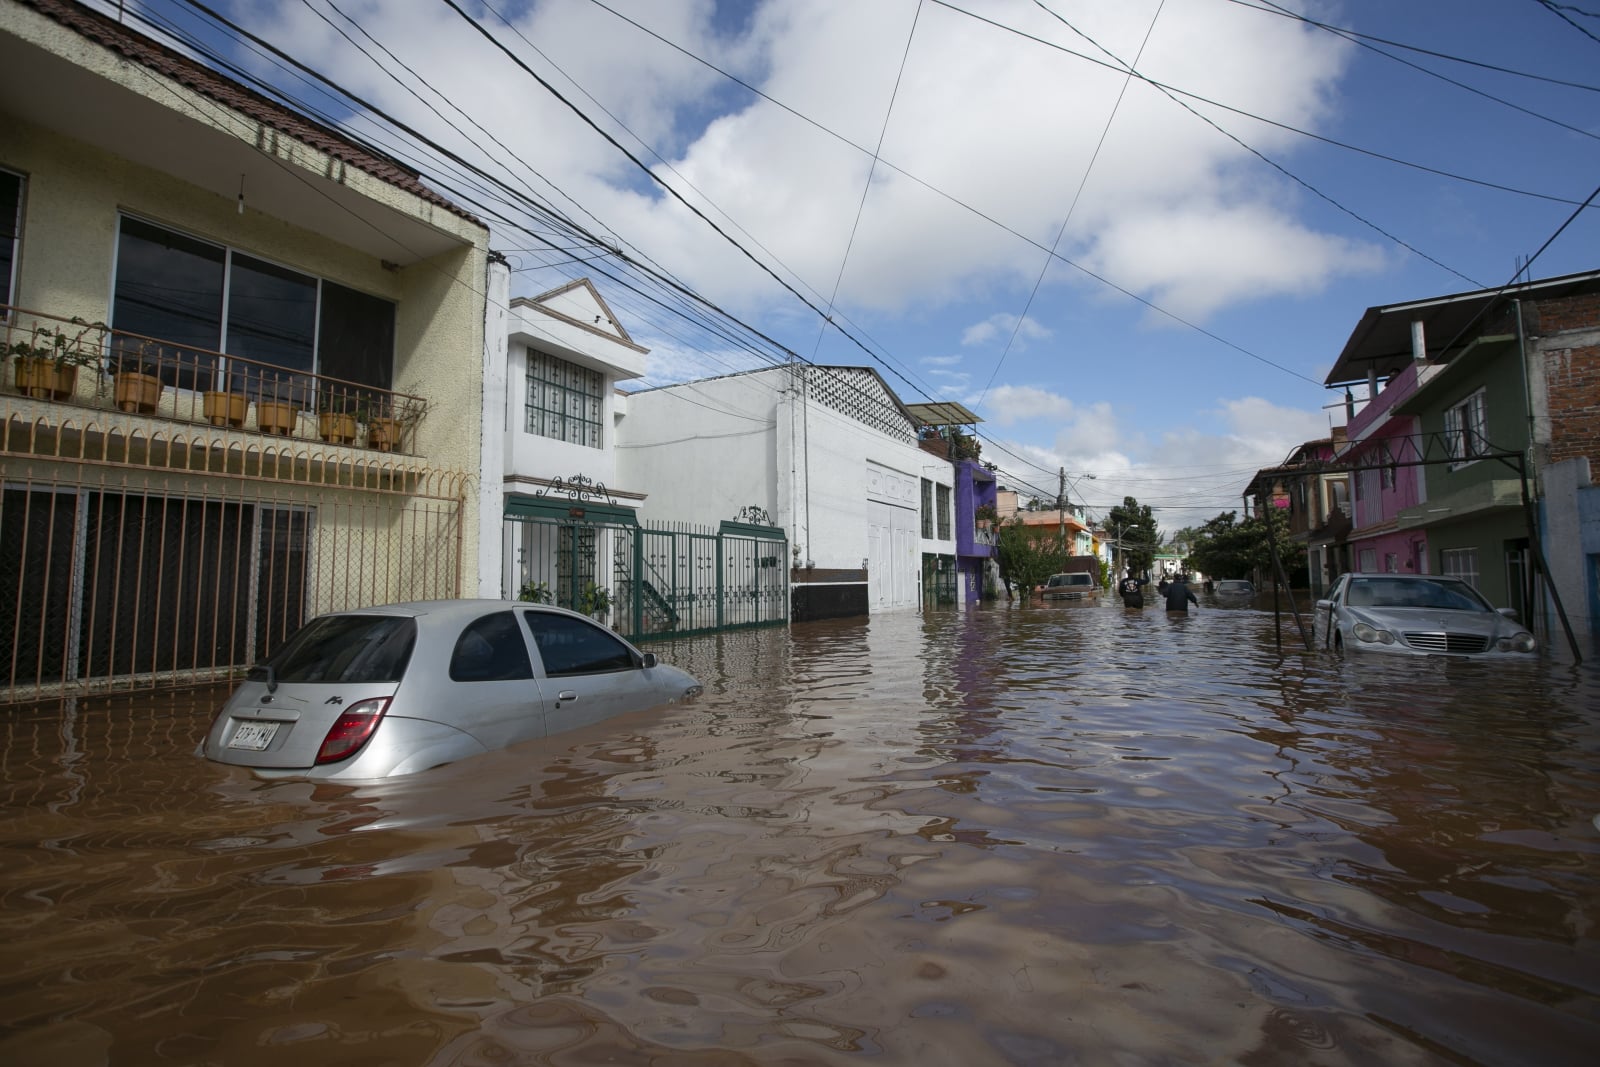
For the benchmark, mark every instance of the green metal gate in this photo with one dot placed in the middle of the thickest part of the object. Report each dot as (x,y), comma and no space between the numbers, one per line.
(645,581)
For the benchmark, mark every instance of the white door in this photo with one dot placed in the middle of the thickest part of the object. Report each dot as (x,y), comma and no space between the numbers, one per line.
(892,539)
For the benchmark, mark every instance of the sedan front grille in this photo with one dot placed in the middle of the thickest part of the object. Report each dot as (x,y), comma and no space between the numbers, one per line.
(1456,644)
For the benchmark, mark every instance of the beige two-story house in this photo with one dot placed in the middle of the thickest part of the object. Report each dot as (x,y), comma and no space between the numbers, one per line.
(244,366)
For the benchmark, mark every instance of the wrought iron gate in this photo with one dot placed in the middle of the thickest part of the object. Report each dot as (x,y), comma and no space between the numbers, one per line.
(647,581)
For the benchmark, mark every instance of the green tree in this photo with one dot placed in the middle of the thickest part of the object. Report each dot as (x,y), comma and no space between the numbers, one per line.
(1133,528)
(1028,555)
(1228,548)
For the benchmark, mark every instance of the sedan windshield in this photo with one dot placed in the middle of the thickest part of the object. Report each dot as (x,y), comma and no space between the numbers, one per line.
(347,648)
(1445,593)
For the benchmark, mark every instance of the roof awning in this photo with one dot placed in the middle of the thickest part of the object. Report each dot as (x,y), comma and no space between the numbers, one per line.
(943,413)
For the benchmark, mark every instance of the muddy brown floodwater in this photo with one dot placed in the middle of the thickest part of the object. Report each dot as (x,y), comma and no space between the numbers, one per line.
(1051,835)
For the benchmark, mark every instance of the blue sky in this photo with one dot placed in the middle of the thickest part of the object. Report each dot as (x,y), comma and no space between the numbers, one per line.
(906,169)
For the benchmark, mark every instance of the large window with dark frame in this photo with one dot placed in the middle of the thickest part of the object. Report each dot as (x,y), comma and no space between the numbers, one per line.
(565,401)
(10,235)
(194,299)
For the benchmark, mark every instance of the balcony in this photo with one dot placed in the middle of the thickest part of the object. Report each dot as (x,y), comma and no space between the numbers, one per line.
(1396,389)
(134,385)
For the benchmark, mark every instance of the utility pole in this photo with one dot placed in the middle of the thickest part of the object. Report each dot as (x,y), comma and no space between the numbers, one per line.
(1061,508)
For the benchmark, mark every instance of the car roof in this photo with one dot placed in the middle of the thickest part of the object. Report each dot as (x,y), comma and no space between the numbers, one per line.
(448,610)
(1392,576)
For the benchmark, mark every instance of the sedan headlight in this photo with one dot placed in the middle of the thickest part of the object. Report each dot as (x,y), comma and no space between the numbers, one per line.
(1368,633)
(1522,642)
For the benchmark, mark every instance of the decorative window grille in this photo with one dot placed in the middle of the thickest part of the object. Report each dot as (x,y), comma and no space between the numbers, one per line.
(1466,430)
(943,512)
(565,401)
(927,508)
(858,394)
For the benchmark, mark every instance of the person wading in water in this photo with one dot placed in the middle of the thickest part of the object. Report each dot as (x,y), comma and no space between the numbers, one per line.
(1132,590)
(1179,597)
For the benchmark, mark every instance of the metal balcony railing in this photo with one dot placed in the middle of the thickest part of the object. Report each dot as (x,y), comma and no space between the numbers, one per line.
(89,365)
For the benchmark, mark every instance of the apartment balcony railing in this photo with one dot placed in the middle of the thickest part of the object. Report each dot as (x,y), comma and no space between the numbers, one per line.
(54,360)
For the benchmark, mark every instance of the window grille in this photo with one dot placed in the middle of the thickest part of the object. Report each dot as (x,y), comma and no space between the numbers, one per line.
(565,401)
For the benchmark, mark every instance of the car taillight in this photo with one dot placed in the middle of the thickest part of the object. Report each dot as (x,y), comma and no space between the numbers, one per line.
(356,724)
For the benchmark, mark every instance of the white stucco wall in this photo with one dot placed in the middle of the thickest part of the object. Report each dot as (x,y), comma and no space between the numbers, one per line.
(700,452)
(840,489)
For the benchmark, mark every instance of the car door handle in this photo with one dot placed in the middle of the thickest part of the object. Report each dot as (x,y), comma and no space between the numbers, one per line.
(566,694)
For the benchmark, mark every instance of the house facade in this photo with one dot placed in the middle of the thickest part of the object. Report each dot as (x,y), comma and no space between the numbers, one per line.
(828,454)
(947,430)
(1473,456)
(263,391)
(1312,496)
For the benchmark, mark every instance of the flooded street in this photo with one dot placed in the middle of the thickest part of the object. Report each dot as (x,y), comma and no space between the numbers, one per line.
(1042,835)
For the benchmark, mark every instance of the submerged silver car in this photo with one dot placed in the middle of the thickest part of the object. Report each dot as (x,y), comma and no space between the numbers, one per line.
(1419,614)
(397,689)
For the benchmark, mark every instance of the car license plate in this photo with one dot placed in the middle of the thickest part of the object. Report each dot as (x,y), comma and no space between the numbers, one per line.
(254,736)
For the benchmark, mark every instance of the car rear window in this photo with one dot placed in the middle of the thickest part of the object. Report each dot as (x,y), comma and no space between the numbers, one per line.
(347,648)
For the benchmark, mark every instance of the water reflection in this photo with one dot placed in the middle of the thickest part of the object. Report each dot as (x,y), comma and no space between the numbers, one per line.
(1015,835)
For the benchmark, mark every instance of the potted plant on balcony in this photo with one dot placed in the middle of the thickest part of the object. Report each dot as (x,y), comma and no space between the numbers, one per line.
(48,362)
(274,414)
(985,515)
(336,417)
(391,418)
(228,405)
(136,384)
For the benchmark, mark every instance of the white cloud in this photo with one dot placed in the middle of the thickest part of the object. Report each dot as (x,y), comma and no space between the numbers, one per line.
(1007,405)
(1003,326)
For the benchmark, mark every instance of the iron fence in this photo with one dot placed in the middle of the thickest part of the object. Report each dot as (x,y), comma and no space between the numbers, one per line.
(651,581)
(130,560)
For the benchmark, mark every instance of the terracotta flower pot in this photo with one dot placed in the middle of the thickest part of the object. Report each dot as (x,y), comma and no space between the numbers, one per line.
(336,427)
(43,380)
(276,416)
(138,392)
(226,409)
(383,434)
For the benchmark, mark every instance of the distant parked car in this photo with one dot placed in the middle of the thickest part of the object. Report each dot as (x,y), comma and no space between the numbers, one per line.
(1077,585)
(396,689)
(1417,614)
(1235,589)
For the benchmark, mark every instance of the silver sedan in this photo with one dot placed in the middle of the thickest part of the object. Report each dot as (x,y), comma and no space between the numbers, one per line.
(1416,614)
(396,689)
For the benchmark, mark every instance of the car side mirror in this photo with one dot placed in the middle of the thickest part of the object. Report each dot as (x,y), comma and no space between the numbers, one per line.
(1510,613)
(1324,605)
(648,660)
